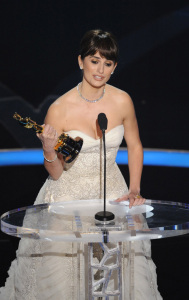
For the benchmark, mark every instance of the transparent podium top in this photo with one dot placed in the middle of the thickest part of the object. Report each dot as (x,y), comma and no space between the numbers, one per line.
(74,221)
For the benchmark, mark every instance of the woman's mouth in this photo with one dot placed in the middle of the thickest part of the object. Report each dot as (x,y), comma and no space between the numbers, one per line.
(97,77)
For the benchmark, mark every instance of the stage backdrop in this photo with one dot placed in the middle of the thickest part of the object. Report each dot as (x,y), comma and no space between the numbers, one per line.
(39,45)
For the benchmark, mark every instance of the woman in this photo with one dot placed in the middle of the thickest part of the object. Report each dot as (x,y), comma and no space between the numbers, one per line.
(76,113)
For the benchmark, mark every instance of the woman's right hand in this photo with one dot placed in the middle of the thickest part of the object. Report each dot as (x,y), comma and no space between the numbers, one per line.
(48,138)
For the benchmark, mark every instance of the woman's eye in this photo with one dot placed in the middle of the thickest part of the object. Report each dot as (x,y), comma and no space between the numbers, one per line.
(94,61)
(108,64)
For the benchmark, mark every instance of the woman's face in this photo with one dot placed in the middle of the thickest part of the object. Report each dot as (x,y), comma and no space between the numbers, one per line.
(96,69)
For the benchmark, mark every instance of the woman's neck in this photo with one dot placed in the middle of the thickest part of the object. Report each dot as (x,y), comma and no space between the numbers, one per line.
(91,92)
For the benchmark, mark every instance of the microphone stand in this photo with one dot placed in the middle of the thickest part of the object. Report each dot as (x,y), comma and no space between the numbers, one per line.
(104,216)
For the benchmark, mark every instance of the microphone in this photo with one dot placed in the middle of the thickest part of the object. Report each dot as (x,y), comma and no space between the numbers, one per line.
(104,216)
(102,121)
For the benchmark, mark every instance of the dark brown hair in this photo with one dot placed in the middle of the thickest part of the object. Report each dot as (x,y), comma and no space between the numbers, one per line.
(99,40)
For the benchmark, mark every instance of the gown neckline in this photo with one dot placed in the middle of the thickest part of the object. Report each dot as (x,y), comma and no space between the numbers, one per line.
(75,130)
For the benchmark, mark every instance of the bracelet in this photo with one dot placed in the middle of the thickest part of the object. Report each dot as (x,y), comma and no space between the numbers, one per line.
(50,161)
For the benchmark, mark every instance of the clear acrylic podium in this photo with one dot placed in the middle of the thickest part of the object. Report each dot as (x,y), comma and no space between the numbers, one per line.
(100,249)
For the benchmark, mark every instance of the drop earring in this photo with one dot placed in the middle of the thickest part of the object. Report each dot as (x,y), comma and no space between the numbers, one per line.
(112,73)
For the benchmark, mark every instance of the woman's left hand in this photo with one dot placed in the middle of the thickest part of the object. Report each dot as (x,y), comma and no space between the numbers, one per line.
(134,199)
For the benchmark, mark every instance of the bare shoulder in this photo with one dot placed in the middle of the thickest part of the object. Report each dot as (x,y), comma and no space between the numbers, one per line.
(59,105)
(57,110)
(120,97)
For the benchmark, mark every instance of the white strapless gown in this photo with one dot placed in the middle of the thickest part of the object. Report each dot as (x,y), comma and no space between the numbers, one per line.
(47,271)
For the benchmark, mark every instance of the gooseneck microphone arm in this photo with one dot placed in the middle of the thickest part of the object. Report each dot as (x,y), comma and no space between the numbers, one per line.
(104,216)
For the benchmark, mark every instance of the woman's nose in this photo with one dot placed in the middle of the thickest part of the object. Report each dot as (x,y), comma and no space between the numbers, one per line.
(100,68)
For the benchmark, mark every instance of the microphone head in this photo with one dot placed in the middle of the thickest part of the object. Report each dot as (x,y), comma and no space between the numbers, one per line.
(102,121)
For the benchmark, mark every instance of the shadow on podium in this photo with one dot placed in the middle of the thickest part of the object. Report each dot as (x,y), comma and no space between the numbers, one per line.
(20,186)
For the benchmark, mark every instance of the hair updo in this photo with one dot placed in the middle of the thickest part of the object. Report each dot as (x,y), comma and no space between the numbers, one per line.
(102,41)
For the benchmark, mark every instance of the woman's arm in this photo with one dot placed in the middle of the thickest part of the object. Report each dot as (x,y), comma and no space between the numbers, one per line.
(53,161)
(135,152)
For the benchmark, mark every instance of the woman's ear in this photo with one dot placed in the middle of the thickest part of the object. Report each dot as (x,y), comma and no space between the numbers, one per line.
(115,66)
(80,62)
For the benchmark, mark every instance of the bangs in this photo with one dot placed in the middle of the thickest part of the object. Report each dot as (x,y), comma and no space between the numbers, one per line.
(102,42)
(109,53)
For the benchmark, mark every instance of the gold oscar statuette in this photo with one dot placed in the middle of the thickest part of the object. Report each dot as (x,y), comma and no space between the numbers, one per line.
(66,145)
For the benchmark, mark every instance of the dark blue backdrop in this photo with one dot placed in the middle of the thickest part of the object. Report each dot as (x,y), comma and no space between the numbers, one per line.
(39,43)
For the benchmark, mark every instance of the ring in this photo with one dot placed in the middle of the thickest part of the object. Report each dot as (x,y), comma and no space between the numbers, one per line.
(137,196)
